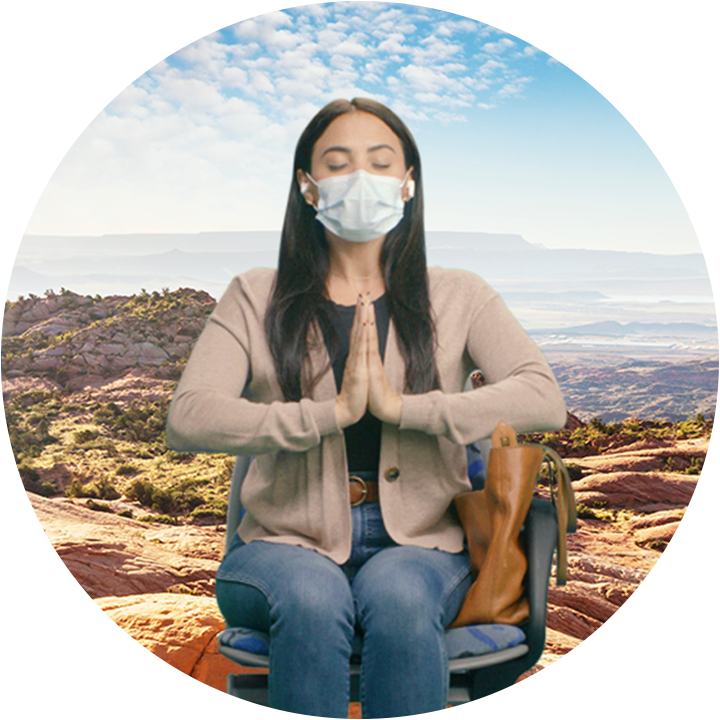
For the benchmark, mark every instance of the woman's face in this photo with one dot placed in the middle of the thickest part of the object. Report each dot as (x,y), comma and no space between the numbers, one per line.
(354,141)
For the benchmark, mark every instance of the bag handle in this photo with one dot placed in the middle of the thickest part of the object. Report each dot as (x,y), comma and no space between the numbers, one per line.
(561,491)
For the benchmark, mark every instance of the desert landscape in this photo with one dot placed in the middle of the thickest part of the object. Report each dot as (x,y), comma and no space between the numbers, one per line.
(86,386)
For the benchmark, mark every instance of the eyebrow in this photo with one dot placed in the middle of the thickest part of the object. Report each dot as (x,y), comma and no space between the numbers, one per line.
(340,148)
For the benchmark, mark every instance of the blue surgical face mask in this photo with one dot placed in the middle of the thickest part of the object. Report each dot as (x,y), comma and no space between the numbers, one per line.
(360,207)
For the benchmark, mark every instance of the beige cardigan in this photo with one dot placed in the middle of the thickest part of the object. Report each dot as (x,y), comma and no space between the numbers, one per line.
(296,491)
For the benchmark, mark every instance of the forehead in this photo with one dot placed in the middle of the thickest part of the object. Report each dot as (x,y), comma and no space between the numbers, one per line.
(357,131)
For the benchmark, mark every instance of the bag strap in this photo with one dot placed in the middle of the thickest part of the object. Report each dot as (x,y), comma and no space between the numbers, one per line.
(563,498)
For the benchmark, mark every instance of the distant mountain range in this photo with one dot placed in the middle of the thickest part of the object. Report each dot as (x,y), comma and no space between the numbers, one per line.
(209,260)
(575,292)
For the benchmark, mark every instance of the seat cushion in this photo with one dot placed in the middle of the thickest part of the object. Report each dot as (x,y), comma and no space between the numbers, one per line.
(461,642)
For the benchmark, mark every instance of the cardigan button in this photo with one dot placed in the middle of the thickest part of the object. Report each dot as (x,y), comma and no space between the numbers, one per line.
(392,474)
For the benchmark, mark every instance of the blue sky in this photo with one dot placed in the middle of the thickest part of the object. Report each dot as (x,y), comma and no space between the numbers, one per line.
(511,140)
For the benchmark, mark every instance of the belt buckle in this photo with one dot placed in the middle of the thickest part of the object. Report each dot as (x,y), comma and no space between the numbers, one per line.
(363,490)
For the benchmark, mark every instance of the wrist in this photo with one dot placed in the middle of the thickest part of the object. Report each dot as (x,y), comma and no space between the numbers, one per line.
(343,415)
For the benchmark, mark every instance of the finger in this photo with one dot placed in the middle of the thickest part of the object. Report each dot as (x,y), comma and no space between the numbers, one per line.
(373,342)
(357,329)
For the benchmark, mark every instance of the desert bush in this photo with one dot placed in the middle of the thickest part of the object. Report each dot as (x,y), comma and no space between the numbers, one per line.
(98,507)
(80,437)
(77,490)
(164,519)
(141,491)
(105,489)
(138,422)
(593,513)
(125,470)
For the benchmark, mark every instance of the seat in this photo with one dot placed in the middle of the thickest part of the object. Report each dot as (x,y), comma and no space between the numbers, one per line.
(483,659)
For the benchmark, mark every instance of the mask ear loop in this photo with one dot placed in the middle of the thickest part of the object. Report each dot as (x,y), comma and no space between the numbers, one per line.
(409,184)
(305,187)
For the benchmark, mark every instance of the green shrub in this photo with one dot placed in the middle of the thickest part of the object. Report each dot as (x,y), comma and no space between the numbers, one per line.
(105,489)
(126,470)
(164,519)
(80,437)
(77,490)
(141,491)
(98,507)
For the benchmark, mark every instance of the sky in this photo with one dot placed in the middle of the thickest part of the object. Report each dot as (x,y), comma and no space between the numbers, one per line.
(511,140)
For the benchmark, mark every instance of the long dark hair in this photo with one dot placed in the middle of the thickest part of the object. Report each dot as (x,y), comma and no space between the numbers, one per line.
(299,314)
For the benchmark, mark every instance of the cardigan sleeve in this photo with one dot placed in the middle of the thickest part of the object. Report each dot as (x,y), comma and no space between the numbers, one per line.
(208,414)
(521,388)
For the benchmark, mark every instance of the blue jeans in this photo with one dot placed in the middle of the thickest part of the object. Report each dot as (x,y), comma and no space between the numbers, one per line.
(399,598)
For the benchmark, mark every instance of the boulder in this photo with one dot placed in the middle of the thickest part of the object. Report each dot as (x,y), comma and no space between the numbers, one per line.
(59,547)
(152,656)
(643,491)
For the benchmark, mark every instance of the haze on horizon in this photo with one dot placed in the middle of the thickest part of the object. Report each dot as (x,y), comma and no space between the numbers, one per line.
(512,141)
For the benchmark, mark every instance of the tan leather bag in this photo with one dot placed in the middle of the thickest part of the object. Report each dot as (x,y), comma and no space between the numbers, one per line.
(493,518)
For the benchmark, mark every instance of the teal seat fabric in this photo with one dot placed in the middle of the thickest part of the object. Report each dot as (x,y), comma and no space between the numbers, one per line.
(461,642)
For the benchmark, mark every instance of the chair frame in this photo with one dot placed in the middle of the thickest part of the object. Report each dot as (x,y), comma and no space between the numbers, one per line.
(471,678)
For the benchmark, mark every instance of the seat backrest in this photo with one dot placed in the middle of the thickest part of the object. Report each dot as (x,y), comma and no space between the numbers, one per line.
(234,512)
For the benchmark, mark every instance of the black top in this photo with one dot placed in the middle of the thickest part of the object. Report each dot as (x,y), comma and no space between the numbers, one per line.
(362,440)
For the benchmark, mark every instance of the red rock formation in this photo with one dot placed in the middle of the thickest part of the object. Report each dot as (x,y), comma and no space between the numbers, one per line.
(112,555)
(641,491)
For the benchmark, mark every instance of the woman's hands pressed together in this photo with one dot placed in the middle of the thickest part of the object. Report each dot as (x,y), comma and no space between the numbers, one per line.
(365,385)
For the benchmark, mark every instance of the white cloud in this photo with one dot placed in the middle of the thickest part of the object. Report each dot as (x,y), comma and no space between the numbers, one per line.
(490,67)
(393,44)
(434,50)
(350,47)
(530,50)
(514,87)
(206,137)
(499,46)
(423,78)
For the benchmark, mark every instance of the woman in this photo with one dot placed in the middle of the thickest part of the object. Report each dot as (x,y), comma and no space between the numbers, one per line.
(342,374)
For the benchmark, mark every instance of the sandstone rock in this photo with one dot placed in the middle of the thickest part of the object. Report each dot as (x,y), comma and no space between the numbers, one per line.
(683,531)
(112,555)
(635,490)
(647,456)
(152,656)
(134,385)
(26,383)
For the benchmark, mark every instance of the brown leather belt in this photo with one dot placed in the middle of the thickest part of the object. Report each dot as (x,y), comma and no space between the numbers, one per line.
(362,491)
